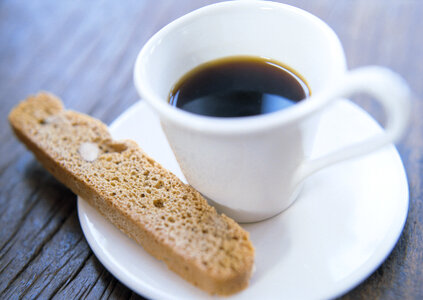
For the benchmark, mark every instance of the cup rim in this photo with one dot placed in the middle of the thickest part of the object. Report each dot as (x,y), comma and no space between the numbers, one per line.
(235,125)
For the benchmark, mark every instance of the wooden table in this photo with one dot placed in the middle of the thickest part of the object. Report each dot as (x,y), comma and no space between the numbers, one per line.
(84,52)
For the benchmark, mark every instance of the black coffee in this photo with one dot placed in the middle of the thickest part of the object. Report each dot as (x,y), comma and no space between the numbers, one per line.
(238,87)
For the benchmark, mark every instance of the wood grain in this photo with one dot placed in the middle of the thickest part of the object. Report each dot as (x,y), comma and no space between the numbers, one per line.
(84,51)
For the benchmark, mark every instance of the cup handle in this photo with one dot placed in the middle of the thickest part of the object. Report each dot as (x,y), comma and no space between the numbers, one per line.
(386,87)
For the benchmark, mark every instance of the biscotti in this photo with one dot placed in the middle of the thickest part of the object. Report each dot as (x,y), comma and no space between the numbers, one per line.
(168,218)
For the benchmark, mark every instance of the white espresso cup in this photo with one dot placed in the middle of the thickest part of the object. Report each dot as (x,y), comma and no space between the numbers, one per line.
(251,168)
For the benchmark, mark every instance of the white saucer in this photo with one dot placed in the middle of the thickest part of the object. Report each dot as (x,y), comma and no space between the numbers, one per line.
(341,228)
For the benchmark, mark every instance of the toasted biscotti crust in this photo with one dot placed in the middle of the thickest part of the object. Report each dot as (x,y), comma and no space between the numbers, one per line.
(171,220)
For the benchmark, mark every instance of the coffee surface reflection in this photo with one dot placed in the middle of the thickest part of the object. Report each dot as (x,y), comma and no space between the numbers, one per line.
(238,87)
